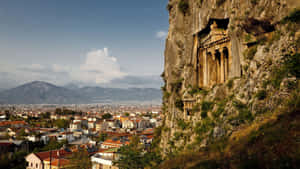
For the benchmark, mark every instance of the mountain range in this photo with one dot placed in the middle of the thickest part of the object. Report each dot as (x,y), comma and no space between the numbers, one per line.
(39,92)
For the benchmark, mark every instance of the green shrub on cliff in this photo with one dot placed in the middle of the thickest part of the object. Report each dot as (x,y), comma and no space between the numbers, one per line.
(176,86)
(290,67)
(292,64)
(197,90)
(261,95)
(205,107)
(250,53)
(244,114)
(182,124)
(204,126)
(179,104)
(294,16)
(254,2)
(220,2)
(230,83)
(221,108)
(183,6)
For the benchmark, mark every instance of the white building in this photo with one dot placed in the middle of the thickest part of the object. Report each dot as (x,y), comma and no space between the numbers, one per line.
(103,160)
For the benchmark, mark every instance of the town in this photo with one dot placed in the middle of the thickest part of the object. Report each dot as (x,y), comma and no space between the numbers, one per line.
(73,136)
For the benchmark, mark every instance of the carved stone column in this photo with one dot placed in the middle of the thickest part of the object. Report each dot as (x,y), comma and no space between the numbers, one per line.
(195,60)
(229,69)
(218,66)
(222,67)
(205,74)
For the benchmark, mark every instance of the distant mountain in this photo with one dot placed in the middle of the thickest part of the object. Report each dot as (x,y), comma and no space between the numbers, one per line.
(97,94)
(39,92)
(71,86)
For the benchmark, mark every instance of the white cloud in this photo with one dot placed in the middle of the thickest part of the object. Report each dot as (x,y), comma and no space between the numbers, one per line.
(100,67)
(161,34)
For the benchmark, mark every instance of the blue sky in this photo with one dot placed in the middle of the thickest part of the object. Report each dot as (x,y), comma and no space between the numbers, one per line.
(91,42)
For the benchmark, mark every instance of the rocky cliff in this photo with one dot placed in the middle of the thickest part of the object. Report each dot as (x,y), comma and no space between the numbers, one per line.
(231,66)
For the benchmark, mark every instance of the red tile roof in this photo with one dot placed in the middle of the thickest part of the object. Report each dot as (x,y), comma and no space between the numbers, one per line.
(46,154)
(61,162)
(6,123)
(112,143)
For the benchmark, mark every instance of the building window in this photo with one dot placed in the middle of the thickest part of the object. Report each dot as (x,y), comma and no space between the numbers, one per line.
(36,165)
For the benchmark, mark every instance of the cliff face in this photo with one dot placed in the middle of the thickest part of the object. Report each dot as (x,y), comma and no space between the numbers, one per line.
(226,68)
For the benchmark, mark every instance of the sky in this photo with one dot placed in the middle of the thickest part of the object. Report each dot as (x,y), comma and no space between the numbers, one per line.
(113,43)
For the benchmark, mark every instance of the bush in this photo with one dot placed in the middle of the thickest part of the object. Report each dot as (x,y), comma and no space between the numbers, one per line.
(294,16)
(183,6)
(220,110)
(179,104)
(204,126)
(293,104)
(196,90)
(250,53)
(266,49)
(205,107)
(297,43)
(292,85)
(177,136)
(203,114)
(261,40)
(276,77)
(261,95)
(230,84)
(254,2)
(182,124)
(275,37)
(292,64)
(244,114)
(247,38)
(166,95)
(107,116)
(220,2)
(238,105)
(169,7)
(176,86)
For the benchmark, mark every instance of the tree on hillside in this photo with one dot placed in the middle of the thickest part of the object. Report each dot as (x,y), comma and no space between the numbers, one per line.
(61,123)
(81,160)
(53,145)
(58,111)
(46,115)
(133,156)
(102,137)
(107,116)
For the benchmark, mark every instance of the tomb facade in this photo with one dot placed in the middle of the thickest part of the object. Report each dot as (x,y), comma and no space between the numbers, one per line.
(213,57)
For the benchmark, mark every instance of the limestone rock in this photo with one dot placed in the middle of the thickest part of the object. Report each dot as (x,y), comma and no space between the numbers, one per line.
(205,50)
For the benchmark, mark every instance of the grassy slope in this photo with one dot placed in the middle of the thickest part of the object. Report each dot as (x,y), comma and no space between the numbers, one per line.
(271,143)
